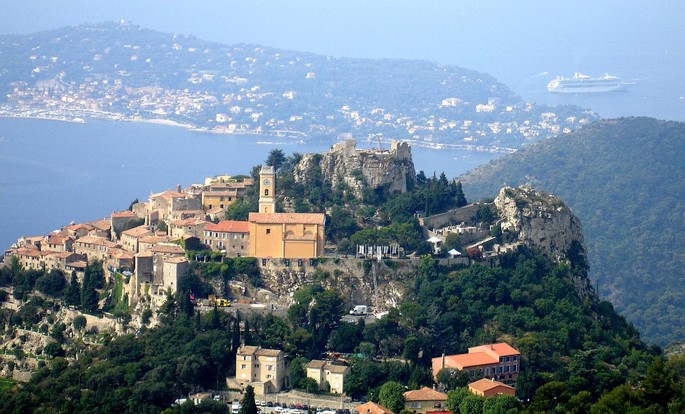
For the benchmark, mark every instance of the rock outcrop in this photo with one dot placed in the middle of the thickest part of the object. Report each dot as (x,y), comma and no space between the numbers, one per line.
(376,169)
(540,221)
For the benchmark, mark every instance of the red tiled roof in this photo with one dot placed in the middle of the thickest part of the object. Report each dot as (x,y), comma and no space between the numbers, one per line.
(123,214)
(137,231)
(287,218)
(501,349)
(425,394)
(372,408)
(484,385)
(462,361)
(229,226)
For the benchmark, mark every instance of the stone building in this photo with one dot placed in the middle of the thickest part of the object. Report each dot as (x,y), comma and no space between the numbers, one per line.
(283,235)
(324,372)
(264,369)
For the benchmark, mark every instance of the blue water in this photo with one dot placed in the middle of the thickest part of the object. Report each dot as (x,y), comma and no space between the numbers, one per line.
(52,173)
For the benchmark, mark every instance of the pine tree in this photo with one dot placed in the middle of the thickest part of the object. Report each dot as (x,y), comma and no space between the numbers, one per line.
(72,296)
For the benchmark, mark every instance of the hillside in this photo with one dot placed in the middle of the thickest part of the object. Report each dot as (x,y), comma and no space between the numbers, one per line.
(624,179)
(125,72)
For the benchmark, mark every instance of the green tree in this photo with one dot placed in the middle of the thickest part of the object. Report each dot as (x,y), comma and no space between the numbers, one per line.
(297,372)
(51,283)
(89,297)
(276,159)
(472,404)
(455,397)
(53,349)
(79,322)
(72,295)
(658,385)
(391,396)
(452,378)
(248,404)
(459,197)
(501,404)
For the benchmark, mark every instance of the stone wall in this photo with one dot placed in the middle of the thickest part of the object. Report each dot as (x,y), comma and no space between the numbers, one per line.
(359,168)
(353,277)
(464,214)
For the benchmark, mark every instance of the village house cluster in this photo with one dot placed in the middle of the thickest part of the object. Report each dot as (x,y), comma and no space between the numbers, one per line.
(492,369)
(147,243)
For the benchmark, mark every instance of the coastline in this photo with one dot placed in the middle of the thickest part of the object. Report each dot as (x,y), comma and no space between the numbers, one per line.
(113,117)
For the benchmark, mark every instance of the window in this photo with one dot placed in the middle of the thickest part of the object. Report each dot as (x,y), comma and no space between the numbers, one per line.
(268,231)
(266,191)
(287,262)
(256,365)
(269,376)
(299,262)
(514,368)
(243,366)
(263,262)
(269,367)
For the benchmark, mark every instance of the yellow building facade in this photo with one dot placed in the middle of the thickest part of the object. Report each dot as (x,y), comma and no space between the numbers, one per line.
(286,235)
(283,235)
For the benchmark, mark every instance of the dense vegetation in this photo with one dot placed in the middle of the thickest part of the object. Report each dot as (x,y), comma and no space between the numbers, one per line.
(576,353)
(624,179)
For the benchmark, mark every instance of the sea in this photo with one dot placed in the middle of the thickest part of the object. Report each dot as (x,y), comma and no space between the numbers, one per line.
(53,173)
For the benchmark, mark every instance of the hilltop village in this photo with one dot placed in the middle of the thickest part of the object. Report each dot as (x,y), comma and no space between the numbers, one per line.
(178,259)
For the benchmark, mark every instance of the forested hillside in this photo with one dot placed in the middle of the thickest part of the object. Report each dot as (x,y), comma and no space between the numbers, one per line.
(624,179)
(576,353)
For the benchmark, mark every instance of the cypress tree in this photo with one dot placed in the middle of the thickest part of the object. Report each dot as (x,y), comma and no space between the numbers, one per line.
(72,295)
(89,297)
(248,404)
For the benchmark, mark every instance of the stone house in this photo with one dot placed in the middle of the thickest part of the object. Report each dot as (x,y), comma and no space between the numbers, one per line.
(489,388)
(230,236)
(264,369)
(424,400)
(130,238)
(324,372)
(173,269)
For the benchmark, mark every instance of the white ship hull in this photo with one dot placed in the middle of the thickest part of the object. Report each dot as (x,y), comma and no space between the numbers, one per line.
(580,83)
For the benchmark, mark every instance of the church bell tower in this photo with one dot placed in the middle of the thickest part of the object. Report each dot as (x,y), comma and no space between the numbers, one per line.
(267,187)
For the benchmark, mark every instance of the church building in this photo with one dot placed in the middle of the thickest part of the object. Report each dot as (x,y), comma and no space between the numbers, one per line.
(283,235)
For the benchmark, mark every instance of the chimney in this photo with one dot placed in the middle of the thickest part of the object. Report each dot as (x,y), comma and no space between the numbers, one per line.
(178,187)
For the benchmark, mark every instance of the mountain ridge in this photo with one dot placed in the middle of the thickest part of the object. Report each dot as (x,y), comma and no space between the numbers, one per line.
(622,177)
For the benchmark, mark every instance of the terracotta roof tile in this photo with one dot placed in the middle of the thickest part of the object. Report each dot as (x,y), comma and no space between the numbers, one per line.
(316,364)
(485,384)
(123,214)
(372,408)
(425,394)
(137,232)
(229,226)
(287,218)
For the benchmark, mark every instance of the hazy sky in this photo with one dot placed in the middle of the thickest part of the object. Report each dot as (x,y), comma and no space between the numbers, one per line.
(509,39)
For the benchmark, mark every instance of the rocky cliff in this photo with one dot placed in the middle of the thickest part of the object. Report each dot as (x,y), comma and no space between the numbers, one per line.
(376,169)
(543,222)
(539,220)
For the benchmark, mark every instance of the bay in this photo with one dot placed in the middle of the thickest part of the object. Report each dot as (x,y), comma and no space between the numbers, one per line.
(53,173)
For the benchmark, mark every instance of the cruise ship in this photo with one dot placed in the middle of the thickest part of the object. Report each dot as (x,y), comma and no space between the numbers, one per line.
(580,83)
